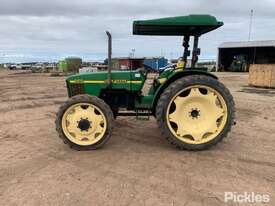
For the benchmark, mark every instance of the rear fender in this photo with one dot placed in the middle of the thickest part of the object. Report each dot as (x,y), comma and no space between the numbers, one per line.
(172,78)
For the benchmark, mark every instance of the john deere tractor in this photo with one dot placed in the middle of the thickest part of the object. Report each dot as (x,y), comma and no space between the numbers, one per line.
(194,111)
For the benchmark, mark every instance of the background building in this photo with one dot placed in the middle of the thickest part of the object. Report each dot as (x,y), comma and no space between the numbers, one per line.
(237,56)
(126,63)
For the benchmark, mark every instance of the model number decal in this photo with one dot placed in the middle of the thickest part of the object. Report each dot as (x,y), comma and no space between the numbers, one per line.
(120,81)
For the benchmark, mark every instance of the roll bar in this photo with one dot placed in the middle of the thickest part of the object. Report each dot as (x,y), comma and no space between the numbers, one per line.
(195,53)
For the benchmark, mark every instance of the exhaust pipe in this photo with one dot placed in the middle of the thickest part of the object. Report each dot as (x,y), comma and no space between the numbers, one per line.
(109,58)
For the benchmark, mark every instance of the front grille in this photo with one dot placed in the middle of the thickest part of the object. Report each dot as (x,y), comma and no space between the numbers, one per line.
(77,89)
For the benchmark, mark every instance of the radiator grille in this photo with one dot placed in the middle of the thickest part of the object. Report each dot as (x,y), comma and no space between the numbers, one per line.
(77,89)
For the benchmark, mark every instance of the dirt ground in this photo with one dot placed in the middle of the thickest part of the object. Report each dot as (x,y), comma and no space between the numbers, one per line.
(137,166)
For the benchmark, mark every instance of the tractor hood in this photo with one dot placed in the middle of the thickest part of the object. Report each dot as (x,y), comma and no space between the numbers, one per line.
(192,25)
(101,77)
(97,76)
(94,83)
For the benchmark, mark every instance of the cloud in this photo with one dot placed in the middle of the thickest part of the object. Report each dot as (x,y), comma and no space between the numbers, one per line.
(115,8)
(78,27)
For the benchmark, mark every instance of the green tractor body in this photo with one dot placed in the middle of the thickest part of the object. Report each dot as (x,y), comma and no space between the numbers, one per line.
(125,88)
(178,94)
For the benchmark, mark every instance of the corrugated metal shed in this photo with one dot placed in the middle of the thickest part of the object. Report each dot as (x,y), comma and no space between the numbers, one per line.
(237,56)
(269,43)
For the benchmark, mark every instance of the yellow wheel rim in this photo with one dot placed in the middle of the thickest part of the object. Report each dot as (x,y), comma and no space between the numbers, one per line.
(197,114)
(84,124)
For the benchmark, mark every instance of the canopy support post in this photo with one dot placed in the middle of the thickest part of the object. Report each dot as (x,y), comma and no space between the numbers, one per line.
(186,53)
(196,52)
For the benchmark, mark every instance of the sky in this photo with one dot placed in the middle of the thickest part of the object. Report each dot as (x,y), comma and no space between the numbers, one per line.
(47,30)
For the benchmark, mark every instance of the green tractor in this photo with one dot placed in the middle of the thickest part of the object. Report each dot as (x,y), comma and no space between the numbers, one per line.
(194,111)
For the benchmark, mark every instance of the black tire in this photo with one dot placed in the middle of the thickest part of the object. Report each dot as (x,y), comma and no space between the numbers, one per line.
(176,87)
(105,109)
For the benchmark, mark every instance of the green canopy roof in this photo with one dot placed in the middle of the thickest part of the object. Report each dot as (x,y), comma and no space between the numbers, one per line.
(192,25)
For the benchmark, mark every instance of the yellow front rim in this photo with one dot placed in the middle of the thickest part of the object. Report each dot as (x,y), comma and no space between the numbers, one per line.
(84,124)
(197,114)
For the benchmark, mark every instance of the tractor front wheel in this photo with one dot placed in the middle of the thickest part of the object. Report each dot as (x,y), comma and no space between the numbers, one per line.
(195,112)
(84,122)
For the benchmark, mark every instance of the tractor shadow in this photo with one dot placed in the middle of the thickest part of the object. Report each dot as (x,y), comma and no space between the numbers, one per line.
(257,90)
(129,132)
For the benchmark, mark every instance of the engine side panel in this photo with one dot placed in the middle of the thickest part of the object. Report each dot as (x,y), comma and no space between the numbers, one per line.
(95,83)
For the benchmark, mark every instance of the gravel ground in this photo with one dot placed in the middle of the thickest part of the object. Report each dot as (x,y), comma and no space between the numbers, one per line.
(137,166)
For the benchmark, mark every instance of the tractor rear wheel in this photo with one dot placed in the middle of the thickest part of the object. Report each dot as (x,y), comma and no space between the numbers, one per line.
(195,112)
(84,122)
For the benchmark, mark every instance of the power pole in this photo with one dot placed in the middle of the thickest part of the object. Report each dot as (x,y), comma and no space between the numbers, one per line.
(133,53)
(250,24)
